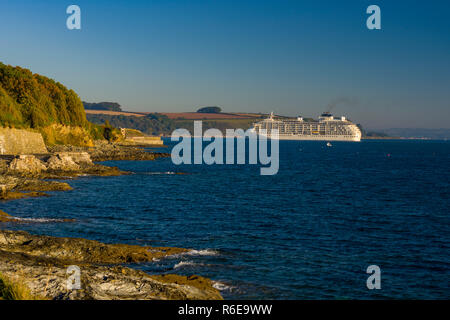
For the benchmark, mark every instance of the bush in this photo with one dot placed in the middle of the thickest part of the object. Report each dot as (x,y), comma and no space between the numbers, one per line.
(30,100)
(111,106)
(209,110)
(14,291)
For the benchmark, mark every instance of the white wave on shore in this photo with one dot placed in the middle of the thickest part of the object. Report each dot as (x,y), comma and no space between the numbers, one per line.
(222,286)
(157,173)
(182,264)
(204,252)
(37,220)
(193,252)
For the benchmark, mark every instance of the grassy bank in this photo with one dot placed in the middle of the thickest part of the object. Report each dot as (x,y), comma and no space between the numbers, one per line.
(10,290)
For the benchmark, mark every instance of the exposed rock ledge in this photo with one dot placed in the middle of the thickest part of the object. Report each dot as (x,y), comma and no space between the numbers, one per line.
(40,262)
(27,175)
(66,163)
(105,151)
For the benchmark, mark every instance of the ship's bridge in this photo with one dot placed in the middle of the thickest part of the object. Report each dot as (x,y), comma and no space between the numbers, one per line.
(326,117)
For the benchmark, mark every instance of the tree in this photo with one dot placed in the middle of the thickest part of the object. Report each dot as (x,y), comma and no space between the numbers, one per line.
(212,109)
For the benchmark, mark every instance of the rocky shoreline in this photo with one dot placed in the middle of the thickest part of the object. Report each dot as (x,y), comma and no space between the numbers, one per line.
(28,175)
(40,262)
(105,151)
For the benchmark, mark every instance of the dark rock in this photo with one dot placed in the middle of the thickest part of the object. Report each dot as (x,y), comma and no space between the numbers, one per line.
(41,262)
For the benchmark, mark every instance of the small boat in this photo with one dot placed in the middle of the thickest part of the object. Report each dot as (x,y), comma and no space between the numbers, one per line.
(329,144)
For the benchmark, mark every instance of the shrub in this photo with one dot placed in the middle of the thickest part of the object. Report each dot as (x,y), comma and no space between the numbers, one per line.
(30,100)
(10,290)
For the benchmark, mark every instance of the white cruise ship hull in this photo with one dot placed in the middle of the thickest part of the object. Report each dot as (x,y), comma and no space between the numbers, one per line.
(316,138)
(327,128)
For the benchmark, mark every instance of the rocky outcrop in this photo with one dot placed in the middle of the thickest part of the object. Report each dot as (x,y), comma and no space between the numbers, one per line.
(81,158)
(41,185)
(4,217)
(41,264)
(27,164)
(105,151)
(61,162)
(69,161)
(17,141)
(116,152)
(58,163)
(29,176)
(81,250)
(12,188)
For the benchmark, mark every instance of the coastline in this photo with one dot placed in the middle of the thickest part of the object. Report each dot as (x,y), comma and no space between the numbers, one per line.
(393,138)
(40,262)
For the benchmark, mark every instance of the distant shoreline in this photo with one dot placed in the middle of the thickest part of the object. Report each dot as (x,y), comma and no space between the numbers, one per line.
(401,138)
(364,138)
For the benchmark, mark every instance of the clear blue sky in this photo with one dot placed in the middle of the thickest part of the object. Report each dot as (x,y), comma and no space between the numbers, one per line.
(292,57)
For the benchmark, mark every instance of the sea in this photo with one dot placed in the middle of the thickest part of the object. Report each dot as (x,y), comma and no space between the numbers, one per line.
(309,232)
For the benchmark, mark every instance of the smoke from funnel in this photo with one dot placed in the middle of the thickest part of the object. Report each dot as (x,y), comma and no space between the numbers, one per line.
(343,100)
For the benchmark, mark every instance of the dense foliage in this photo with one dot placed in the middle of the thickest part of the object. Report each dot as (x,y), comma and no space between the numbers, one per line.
(157,124)
(152,124)
(209,110)
(30,100)
(33,101)
(111,106)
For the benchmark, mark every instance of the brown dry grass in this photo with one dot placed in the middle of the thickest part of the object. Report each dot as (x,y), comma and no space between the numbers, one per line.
(14,290)
(201,116)
(114,113)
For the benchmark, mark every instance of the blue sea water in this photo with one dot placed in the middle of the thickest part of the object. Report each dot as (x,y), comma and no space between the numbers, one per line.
(309,232)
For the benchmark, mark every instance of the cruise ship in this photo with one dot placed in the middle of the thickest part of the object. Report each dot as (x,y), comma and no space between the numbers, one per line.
(326,128)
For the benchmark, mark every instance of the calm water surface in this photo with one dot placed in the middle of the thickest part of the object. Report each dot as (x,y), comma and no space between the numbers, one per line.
(308,232)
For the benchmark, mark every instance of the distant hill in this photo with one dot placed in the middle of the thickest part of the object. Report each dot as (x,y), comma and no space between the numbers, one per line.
(373,134)
(418,133)
(111,106)
(152,124)
(180,115)
(165,123)
(210,109)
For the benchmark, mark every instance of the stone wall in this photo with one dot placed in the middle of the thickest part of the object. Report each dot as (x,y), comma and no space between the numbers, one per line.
(146,140)
(18,141)
(134,136)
